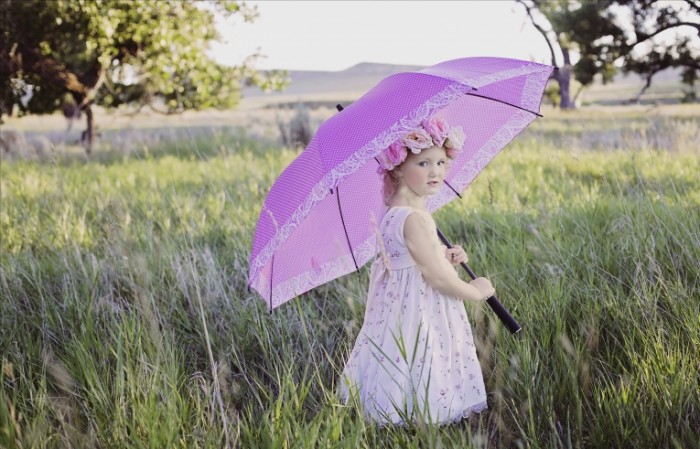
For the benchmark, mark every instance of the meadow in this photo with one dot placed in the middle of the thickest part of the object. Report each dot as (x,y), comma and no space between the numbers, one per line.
(125,321)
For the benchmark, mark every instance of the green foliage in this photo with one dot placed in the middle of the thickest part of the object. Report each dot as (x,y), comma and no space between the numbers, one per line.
(589,29)
(603,36)
(587,224)
(145,52)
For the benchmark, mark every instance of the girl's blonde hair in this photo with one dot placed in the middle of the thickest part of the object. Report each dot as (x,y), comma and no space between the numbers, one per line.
(391,183)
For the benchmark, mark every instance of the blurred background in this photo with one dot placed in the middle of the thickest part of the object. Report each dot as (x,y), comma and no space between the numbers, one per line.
(83,75)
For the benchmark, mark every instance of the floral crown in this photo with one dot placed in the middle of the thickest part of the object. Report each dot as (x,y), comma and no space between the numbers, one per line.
(432,132)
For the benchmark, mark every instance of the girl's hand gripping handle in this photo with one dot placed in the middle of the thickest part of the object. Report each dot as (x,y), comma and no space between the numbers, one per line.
(484,286)
(503,314)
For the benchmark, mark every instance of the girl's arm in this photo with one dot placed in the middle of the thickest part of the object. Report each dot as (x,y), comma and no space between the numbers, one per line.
(437,271)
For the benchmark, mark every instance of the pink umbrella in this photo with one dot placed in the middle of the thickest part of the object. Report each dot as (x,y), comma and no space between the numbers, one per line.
(318,221)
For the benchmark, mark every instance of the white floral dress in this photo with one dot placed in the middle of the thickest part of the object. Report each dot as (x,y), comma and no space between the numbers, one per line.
(414,358)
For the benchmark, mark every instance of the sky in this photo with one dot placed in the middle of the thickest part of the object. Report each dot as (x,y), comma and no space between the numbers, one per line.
(335,35)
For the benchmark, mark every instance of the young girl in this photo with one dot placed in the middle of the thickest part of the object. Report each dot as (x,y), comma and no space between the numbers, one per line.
(414,359)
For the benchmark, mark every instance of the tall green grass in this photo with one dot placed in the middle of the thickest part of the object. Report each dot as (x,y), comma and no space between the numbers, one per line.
(125,320)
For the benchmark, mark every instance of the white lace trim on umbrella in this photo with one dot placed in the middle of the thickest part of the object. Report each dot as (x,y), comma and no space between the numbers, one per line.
(309,279)
(497,76)
(532,92)
(481,159)
(351,165)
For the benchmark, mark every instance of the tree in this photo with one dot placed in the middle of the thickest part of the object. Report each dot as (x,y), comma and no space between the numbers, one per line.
(113,52)
(607,33)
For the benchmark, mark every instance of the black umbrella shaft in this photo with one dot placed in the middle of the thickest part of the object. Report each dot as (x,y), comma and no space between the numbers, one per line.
(493,301)
(503,314)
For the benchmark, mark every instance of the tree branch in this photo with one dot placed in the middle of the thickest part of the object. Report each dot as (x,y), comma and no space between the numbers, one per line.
(649,76)
(541,30)
(579,91)
(693,5)
(92,89)
(32,61)
(661,30)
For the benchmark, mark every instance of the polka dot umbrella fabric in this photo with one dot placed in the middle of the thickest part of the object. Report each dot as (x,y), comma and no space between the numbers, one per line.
(320,217)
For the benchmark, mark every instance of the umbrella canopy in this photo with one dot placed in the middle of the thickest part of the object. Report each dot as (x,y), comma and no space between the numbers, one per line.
(320,217)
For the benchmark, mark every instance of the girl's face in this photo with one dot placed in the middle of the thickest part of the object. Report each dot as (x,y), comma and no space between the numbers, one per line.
(424,172)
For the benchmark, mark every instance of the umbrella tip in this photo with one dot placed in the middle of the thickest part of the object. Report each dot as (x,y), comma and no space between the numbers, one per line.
(339,107)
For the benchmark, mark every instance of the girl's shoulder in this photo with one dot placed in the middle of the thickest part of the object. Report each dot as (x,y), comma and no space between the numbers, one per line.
(398,215)
(409,209)
(405,211)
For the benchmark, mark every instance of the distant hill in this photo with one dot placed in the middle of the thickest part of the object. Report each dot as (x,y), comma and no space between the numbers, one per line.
(358,78)
(346,85)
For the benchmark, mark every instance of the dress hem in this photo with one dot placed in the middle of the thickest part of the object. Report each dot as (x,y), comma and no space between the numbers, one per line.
(465,414)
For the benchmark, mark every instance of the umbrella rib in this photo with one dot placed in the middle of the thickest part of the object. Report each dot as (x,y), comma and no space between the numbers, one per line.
(505,102)
(452,188)
(272,272)
(342,220)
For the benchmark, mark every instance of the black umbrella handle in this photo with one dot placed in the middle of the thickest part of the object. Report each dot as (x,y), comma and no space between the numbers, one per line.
(503,314)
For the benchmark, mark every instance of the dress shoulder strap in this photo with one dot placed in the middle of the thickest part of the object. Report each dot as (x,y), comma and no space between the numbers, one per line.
(397,221)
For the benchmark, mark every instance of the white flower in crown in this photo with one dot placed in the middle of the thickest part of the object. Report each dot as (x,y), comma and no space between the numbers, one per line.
(455,139)
(454,142)
(417,140)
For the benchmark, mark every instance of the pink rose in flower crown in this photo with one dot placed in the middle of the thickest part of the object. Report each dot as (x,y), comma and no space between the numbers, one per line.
(392,156)
(438,130)
(396,153)
(417,140)
(455,140)
(384,162)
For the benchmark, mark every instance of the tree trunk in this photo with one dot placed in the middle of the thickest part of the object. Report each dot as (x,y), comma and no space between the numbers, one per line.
(87,134)
(636,99)
(93,78)
(83,104)
(82,88)
(563,77)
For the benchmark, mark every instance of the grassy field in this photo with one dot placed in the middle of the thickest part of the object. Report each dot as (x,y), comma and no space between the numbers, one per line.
(125,320)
